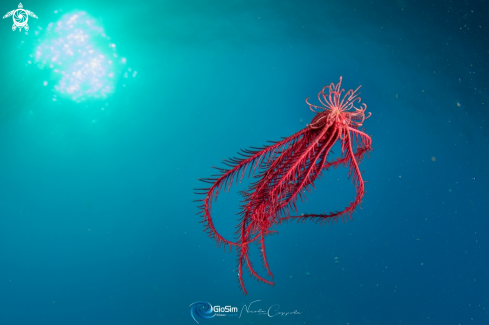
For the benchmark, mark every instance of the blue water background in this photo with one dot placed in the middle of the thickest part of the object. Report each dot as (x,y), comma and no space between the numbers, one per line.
(97,219)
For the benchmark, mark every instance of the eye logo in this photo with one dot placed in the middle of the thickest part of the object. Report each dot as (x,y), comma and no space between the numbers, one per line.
(20,17)
(202,309)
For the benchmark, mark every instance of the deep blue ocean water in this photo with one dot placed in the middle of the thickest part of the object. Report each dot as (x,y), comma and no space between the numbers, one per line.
(97,172)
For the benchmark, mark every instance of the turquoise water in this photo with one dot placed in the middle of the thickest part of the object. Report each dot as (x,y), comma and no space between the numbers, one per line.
(100,160)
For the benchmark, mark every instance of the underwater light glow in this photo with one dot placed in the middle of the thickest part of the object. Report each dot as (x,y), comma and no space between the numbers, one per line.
(81,56)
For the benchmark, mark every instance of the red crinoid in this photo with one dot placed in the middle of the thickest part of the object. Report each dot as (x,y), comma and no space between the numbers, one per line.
(287,169)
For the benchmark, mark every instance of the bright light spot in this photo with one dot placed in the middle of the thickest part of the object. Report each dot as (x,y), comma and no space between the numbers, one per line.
(45,83)
(134,74)
(56,11)
(77,47)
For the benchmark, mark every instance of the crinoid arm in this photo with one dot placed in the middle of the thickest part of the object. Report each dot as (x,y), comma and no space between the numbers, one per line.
(352,159)
(258,162)
(245,262)
(251,161)
(284,179)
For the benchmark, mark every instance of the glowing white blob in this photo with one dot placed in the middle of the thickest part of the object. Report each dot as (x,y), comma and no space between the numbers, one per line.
(77,50)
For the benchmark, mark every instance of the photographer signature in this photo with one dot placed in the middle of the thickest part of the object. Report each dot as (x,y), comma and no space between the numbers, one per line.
(272,311)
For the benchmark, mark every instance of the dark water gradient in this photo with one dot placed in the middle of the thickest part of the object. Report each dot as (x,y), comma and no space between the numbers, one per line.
(97,223)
